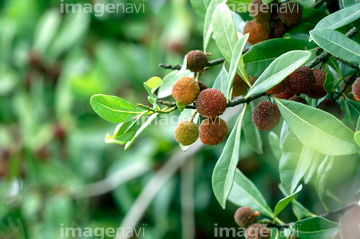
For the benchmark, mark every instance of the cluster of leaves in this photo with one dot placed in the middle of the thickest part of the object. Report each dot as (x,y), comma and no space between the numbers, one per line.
(311,141)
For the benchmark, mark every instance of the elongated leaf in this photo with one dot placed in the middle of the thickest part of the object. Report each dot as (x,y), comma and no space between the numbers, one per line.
(224,31)
(340,18)
(279,70)
(316,228)
(337,44)
(114,109)
(260,56)
(224,171)
(285,201)
(245,193)
(251,133)
(222,81)
(311,173)
(152,84)
(276,234)
(140,130)
(237,63)
(208,19)
(165,89)
(321,183)
(306,156)
(200,7)
(348,3)
(307,3)
(274,142)
(357,133)
(316,129)
(123,133)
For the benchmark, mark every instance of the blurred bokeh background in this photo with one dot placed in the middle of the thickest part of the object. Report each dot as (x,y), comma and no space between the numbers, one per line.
(55,168)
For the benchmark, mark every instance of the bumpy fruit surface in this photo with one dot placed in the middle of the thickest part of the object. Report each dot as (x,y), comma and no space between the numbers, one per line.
(277,88)
(266,116)
(213,131)
(318,90)
(301,81)
(239,86)
(211,103)
(259,31)
(290,13)
(332,107)
(245,216)
(185,90)
(257,231)
(259,11)
(196,60)
(298,99)
(186,133)
(284,95)
(279,29)
(355,89)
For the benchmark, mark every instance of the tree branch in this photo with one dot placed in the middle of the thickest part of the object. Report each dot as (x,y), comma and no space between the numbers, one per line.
(346,85)
(178,66)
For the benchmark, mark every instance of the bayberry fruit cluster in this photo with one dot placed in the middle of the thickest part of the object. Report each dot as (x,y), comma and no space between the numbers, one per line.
(246,217)
(271,20)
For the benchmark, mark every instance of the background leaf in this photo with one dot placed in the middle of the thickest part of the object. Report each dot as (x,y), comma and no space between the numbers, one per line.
(285,201)
(200,7)
(316,129)
(316,228)
(251,133)
(222,81)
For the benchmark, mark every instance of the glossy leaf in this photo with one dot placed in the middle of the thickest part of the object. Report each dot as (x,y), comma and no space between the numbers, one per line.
(337,44)
(357,133)
(224,31)
(114,109)
(278,70)
(222,81)
(140,130)
(260,56)
(224,171)
(285,201)
(316,129)
(316,228)
(251,133)
(245,193)
(274,142)
(307,3)
(152,84)
(237,63)
(348,3)
(123,133)
(208,19)
(340,18)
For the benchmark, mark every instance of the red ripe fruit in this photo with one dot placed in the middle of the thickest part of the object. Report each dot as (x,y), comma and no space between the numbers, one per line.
(257,231)
(355,89)
(259,11)
(301,81)
(318,91)
(266,116)
(298,99)
(196,60)
(211,103)
(279,29)
(245,216)
(213,131)
(332,107)
(284,95)
(290,13)
(277,88)
(185,90)
(259,31)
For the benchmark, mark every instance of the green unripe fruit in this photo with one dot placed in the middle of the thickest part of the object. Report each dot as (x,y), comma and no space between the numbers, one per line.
(185,90)
(186,133)
(196,60)
(245,216)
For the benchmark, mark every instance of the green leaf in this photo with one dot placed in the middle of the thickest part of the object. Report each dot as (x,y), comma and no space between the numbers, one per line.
(311,173)
(245,193)
(340,18)
(237,63)
(114,109)
(260,56)
(152,84)
(222,81)
(279,70)
(285,201)
(200,7)
(224,31)
(46,30)
(180,106)
(317,129)
(238,5)
(208,19)
(306,3)
(276,234)
(224,171)
(337,44)
(140,130)
(357,133)
(348,3)
(169,80)
(123,133)
(274,142)
(321,182)
(316,228)
(329,83)
(251,133)
(310,17)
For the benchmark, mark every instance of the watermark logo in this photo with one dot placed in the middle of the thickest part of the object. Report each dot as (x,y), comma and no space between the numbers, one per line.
(101,232)
(99,9)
